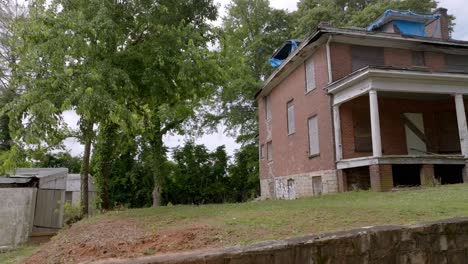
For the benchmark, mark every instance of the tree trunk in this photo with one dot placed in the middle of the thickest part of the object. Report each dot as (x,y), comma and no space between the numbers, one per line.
(84,178)
(158,152)
(107,155)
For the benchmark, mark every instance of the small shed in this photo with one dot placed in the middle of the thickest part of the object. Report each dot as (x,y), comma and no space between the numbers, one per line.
(34,199)
(73,191)
(50,195)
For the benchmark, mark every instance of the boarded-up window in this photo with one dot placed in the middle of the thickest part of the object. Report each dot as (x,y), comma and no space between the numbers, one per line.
(364,56)
(314,148)
(270,151)
(317,185)
(362,130)
(262,151)
(267,107)
(418,58)
(291,121)
(310,75)
(457,62)
(449,140)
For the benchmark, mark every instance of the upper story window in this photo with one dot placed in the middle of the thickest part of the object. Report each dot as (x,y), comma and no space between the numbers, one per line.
(267,107)
(363,56)
(314,145)
(291,120)
(262,151)
(418,58)
(270,151)
(310,74)
(456,62)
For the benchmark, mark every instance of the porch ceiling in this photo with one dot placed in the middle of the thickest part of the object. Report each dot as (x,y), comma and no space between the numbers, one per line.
(389,81)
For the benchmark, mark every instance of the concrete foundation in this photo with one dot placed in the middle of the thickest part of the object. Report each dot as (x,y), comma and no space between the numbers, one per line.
(16,215)
(300,185)
(427,175)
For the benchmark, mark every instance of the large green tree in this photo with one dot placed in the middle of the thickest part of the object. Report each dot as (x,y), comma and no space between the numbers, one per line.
(172,69)
(105,59)
(250,33)
(357,13)
(67,55)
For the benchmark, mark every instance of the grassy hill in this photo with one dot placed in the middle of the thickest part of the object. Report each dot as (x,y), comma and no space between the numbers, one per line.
(138,232)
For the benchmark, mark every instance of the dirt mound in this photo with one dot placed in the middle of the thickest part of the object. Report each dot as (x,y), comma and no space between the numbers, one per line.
(121,238)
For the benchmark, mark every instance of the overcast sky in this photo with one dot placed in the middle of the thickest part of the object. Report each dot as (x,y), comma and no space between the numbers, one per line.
(459,8)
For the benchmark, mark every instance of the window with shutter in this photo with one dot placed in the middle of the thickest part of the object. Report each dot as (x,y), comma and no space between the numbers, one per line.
(363,56)
(262,151)
(291,120)
(314,147)
(267,107)
(270,151)
(310,75)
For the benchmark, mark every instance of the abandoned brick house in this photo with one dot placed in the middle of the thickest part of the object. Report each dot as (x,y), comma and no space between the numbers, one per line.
(373,108)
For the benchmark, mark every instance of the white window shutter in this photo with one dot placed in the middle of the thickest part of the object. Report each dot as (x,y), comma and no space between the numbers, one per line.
(291,120)
(310,75)
(314,145)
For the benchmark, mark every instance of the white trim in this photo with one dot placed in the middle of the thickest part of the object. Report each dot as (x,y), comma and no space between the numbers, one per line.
(403,159)
(337,131)
(375,124)
(392,80)
(462,126)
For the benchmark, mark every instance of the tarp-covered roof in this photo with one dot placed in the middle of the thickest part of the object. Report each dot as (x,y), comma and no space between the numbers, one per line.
(408,22)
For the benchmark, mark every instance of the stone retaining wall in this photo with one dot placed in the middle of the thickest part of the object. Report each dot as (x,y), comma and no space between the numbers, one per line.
(438,242)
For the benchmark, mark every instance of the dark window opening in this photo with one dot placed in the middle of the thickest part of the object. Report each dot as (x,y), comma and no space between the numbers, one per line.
(449,140)
(406,175)
(457,62)
(449,174)
(418,58)
(363,56)
(357,179)
(362,130)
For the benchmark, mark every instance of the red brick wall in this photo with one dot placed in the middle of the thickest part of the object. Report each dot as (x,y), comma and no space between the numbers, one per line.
(342,61)
(290,153)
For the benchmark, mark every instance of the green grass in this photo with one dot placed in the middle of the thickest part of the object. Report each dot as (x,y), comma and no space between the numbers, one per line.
(255,221)
(17,255)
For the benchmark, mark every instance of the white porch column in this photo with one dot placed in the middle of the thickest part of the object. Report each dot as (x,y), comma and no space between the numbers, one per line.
(337,128)
(462,126)
(375,124)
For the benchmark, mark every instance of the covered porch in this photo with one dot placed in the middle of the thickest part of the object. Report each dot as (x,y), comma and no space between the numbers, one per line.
(400,127)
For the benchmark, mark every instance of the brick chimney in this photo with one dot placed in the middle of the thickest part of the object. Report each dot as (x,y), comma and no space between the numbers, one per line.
(440,27)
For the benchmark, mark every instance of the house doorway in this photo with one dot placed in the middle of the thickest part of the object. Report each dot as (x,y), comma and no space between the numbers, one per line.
(414,131)
(291,190)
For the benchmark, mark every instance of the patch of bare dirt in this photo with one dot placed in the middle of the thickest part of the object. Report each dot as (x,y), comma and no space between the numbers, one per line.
(121,238)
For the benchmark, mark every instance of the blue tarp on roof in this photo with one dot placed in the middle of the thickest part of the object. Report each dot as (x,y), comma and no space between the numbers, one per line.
(411,28)
(283,53)
(409,23)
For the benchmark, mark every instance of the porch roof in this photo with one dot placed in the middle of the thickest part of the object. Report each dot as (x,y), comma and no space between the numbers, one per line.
(393,79)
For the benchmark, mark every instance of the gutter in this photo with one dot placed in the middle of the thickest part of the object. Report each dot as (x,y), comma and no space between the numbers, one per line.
(330,76)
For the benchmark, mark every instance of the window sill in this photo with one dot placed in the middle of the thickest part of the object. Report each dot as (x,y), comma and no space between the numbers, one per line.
(314,156)
(291,134)
(308,92)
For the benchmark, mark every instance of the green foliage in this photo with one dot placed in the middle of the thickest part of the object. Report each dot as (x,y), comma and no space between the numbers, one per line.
(60,160)
(198,176)
(250,33)
(72,213)
(244,181)
(357,13)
